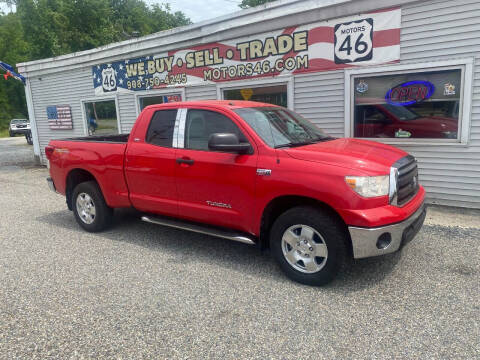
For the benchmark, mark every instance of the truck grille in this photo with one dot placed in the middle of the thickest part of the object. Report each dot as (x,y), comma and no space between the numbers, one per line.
(407,181)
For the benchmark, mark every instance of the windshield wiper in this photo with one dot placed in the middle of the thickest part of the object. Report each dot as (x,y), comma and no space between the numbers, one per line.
(303,143)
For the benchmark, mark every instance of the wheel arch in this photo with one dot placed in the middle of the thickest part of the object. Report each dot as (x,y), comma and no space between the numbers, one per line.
(75,177)
(279,205)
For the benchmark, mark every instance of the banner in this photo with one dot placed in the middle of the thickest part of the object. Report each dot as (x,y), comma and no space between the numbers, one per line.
(59,117)
(360,40)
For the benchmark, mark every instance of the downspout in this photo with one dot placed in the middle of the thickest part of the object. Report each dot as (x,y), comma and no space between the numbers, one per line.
(33,123)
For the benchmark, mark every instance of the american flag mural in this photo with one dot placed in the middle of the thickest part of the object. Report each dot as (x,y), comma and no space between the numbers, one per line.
(59,117)
(365,39)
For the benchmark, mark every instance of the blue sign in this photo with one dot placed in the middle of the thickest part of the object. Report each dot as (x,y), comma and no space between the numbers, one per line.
(410,92)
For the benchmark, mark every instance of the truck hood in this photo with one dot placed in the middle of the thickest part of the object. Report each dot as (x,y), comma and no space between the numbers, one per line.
(435,123)
(367,157)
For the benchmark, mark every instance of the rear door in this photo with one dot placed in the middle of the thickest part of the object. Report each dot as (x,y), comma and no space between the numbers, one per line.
(150,163)
(214,187)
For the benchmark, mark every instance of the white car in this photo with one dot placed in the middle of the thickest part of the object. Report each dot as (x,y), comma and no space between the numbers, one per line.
(19,126)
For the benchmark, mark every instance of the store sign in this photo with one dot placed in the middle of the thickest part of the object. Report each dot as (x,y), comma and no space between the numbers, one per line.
(409,93)
(246,93)
(354,41)
(359,40)
(172,98)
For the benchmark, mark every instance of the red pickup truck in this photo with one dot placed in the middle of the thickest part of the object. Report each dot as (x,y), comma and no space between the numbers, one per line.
(250,172)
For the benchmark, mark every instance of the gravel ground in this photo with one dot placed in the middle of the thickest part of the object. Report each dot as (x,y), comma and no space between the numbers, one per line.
(144,291)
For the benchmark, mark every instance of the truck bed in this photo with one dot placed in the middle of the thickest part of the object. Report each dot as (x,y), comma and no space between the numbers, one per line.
(114,138)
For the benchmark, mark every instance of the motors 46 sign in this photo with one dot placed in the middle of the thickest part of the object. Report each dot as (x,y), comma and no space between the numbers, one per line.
(109,79)
(354,41)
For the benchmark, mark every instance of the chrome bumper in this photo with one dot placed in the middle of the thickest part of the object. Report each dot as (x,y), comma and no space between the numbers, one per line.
(51,185)
(367,242)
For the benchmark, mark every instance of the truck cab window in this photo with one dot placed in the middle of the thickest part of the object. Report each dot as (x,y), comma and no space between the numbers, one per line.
(160,130)
(200,124)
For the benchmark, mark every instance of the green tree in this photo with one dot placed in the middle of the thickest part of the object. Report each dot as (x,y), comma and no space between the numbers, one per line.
(245,4)
(45,28)
(13,49)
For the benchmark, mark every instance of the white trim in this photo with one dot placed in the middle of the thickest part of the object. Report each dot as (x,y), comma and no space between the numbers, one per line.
(33,121)
(465,64)
(99,99)
(181,128)
(262,82)
(157,92)
(119,120)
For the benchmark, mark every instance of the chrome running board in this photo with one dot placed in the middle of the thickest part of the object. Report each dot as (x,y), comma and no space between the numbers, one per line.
(201,229)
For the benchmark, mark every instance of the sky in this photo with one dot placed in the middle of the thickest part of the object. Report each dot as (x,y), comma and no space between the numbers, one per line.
(199,10)
(196,10)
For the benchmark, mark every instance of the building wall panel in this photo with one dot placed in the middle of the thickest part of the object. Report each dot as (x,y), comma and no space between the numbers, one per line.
(208,92)
(65,88)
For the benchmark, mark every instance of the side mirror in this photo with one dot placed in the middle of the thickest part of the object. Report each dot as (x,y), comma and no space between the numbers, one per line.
(228,143)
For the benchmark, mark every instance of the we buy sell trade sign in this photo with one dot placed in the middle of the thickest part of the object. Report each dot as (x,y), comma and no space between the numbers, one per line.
(360,40)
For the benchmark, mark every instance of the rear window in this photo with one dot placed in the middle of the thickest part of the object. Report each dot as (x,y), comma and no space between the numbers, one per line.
(160,130)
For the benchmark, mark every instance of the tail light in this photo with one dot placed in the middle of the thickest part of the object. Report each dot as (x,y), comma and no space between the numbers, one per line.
(49,151)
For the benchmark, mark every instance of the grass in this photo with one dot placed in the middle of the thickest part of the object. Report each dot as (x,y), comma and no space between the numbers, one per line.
(4,133)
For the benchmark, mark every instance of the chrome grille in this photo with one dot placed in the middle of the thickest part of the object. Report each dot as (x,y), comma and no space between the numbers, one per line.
(407,180)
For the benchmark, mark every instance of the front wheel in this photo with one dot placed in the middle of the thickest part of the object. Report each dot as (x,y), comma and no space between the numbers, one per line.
(309,245)
(89,207)
(28,137)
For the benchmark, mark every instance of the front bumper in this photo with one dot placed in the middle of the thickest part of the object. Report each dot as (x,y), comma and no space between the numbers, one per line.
(51,184)
(367,242)
(19,131)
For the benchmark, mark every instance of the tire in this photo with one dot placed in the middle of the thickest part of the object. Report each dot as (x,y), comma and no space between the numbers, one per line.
(311,232)
(11,134)
(87,196)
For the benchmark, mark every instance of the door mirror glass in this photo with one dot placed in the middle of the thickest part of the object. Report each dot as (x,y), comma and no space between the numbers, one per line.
(228,142)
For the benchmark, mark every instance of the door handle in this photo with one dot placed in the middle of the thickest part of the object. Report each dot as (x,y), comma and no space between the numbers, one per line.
(185,161)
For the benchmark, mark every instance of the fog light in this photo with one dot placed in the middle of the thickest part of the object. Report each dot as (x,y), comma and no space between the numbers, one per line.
(384,240)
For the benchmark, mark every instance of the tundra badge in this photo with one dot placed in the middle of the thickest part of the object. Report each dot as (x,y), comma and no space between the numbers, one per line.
(264,172)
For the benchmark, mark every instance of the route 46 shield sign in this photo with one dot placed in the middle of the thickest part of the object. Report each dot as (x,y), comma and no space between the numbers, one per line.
(354,41)
(109,79)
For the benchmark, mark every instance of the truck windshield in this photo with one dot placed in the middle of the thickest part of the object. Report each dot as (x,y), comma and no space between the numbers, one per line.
(280,127)
(401,112)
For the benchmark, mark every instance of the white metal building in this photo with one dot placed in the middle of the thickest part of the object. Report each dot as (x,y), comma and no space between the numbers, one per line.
(405,73)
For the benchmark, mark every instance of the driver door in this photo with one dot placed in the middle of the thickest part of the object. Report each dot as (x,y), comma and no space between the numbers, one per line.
(213,187)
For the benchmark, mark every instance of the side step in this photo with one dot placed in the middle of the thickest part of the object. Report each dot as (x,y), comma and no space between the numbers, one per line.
(202,229)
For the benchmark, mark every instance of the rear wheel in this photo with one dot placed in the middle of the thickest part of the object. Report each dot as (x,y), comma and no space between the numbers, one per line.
(89,207)
(309,245)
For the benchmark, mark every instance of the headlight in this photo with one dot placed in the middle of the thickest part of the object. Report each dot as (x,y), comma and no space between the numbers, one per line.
(369,186)
(450,134)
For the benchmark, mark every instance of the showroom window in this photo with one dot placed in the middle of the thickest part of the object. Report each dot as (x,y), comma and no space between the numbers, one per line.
(158,99)
(101,117)
(275,94)
(408,105)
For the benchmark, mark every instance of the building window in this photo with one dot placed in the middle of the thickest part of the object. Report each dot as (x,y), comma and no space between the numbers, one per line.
(101,117)
(158,99)
(275,94)
(408,105)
